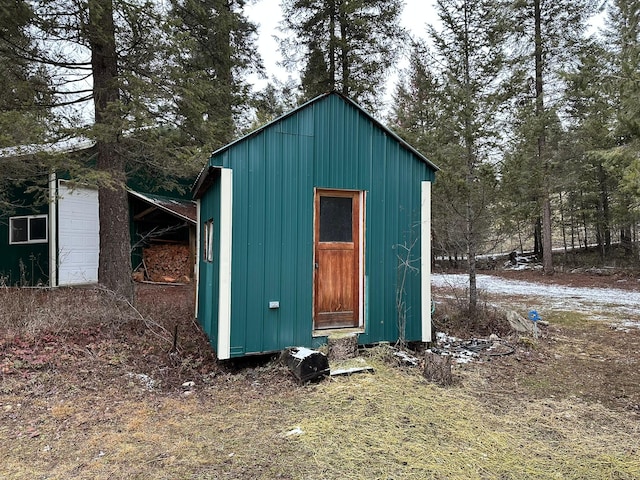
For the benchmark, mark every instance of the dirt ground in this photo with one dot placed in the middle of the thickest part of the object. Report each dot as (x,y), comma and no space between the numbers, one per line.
(575,357)
(107,395)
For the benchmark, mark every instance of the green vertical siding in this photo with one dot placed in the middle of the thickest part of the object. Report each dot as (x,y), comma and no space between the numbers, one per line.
(208,272)
(326,144)
(23,264)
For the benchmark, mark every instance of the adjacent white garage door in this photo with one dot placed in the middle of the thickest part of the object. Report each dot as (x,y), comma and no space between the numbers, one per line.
(78,235)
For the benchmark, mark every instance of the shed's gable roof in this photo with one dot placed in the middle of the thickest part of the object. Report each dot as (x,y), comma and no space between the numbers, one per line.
(203,182)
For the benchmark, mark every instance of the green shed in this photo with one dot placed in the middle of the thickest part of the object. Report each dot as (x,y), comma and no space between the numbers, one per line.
(304,226)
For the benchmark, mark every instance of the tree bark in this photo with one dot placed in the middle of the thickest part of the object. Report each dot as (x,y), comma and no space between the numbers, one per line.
(332,44)
(224,71)
(470,176)
(114,269)
(605,210)
(344,56)
(547,244)
(537,237)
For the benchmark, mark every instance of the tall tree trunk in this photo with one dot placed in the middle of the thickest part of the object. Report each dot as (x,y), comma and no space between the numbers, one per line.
(605,210)
(114,269)
(332,44)
(537,237)
(470,175)
(344,56)
(564,229)
(626,240)
(547,253)
(224,71)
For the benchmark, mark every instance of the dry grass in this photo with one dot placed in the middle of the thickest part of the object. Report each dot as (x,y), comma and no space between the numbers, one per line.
(32,311)
(390,424)
(90,417)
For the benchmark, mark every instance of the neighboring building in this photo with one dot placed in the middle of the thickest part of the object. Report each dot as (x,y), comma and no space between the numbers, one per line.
(302,224)
(52,238)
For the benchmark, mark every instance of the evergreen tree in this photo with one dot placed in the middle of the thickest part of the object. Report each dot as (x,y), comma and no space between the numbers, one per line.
(590,109)
(25,97)
(25,103)
(213,52)
(273,101)
(343,45)
(622,39)
(415,112)
(547,34)
(470,51)
(111,42)
(418,116)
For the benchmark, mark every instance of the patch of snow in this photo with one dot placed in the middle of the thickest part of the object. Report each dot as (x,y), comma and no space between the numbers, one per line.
(601,303)
(295,431)
(145,380)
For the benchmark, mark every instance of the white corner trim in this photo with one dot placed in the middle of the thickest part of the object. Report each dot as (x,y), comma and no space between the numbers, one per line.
(362,242)
(224,294)
(53,230)
(196,267)
(425,260)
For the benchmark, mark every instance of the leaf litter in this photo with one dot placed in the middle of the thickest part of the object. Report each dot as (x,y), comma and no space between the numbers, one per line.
(500,420)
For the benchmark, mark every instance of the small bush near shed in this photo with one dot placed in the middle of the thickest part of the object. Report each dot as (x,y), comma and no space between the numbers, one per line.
(453,317)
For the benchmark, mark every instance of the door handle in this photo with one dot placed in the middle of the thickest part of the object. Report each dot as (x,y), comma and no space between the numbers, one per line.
(316,265)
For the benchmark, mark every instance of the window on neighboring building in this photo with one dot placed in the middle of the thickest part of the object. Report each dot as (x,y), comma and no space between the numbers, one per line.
(28,229)
(207,244)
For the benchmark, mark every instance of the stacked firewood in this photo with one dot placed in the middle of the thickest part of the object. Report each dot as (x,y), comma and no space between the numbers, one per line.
(165,263)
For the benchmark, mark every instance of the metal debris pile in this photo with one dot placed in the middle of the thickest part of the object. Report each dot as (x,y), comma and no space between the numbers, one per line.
(464,351)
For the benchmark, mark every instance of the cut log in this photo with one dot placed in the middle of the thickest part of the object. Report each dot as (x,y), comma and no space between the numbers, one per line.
(437,369)
(307,364)
(518,323)
(342,346)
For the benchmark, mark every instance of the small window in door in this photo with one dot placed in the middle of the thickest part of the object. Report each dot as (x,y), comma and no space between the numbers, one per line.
(336,219)
(207,244)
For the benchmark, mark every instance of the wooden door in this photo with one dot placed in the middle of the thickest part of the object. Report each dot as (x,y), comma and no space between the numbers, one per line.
(337,259)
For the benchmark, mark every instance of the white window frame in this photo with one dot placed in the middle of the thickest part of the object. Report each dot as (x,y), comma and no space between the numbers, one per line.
(29,240)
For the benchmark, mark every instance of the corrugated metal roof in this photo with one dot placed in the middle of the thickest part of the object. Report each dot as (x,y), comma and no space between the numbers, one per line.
(66,145)
(185,209)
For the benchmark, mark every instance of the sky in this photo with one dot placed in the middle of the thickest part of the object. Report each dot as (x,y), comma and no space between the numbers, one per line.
(267,14)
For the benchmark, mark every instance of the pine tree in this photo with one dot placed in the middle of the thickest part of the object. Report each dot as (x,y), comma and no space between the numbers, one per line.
(25,102)
(213,52)
(343,45)
(470,51)
(622,39)
(273,101)
(84,40)
(25,97)
(589,113)
(547,34)
(415,112)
